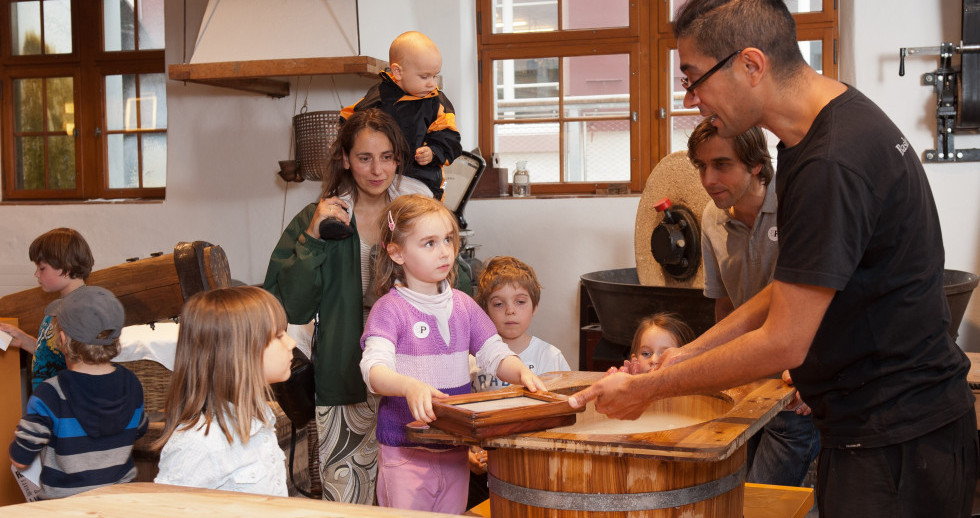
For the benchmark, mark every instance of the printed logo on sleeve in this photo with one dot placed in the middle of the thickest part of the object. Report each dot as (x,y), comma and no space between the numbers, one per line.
(421,329)
(903,147)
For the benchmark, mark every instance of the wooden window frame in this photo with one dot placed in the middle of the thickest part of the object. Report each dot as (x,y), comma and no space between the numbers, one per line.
(89,65)
(650,39)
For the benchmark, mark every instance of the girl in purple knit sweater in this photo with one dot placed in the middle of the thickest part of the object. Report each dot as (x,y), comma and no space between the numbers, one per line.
(416,344)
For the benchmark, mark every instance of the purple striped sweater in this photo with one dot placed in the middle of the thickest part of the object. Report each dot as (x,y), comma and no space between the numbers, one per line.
(422,353)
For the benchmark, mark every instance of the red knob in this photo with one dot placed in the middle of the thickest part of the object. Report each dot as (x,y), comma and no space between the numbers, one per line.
(663,205)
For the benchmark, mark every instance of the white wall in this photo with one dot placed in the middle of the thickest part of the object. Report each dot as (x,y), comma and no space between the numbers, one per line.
(224,147)
(874,45)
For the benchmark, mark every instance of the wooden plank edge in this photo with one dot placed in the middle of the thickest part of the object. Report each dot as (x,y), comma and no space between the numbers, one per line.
(265,68)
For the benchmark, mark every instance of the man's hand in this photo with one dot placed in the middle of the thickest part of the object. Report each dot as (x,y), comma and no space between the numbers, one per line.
(670,357)
(797,405)
(613,396)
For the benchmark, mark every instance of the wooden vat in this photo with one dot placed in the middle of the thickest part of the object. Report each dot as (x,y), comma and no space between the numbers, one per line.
(583,470)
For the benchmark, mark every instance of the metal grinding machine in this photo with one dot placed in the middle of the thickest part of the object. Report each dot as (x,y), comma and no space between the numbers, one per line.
(669,275)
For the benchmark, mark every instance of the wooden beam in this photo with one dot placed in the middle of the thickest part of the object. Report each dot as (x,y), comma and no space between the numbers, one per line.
(254,76)
(270,87)
(149,289)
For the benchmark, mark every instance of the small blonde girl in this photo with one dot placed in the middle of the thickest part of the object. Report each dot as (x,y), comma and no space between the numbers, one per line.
(416,344)
(220,431)
(654,335)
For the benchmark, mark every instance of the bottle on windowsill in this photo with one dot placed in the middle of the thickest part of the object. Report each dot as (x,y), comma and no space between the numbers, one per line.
(522,181)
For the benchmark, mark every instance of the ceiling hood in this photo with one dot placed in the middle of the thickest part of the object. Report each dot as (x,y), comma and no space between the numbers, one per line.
(246,44)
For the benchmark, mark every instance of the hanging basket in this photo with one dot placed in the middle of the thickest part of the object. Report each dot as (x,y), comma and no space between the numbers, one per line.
(315,133)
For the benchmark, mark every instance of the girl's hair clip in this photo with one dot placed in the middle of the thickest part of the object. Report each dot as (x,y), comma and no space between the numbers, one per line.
(391,222)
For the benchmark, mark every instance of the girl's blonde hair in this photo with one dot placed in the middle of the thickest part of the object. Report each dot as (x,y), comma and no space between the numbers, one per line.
(397,221)
(218,368)
(669,322)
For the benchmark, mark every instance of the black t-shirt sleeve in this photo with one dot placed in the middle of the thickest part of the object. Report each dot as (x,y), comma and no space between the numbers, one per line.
(826,220)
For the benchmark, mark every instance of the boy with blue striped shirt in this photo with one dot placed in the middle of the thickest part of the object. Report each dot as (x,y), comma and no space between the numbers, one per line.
(84,421)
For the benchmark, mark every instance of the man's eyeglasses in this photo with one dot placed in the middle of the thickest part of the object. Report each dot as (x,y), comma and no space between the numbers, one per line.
(689,86)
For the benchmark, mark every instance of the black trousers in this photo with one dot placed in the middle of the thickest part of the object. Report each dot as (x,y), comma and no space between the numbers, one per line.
(934,475)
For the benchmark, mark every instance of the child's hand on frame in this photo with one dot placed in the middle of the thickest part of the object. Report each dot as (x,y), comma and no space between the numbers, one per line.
(419,396)
(531,381)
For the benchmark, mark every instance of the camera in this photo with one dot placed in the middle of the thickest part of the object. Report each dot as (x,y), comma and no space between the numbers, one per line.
(333,229)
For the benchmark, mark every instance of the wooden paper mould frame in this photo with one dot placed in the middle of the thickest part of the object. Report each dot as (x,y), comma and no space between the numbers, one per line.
(506,421)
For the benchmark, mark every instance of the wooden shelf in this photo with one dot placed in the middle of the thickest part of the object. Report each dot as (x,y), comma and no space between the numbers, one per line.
(257,76)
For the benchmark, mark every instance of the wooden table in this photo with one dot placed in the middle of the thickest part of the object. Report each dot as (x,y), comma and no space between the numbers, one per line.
(761,501)
(148,500)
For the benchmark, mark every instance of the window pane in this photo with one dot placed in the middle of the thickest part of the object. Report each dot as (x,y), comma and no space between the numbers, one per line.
(590,14)
(795,6)
(680,129)
(153,101)
(151,24)
(525,16)
(155,160)
(804,6)
(120,102)
(597,86)
(57,27)
(25,25)
(122,152)
(536,143)
(28,100)
(597,151)
(813,54)
(61,102)
(677,91)
(29,152)
(118,18)
(526,88)
(61,161)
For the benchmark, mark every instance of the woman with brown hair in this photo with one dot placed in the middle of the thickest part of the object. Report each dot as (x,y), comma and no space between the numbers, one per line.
(328,279)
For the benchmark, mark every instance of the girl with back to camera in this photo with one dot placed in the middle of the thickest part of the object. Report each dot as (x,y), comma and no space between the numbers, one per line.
(654,335)
(219,431)
(416,345)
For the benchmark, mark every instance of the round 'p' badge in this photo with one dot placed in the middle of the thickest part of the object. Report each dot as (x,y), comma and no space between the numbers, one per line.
(421,329)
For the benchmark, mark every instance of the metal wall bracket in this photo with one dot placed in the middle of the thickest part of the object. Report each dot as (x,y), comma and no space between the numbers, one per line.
(957,88)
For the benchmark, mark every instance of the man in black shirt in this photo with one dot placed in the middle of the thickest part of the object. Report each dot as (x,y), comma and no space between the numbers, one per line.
(856,309)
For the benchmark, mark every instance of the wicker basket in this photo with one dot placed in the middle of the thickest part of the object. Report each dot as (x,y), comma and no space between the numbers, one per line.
(155,379)
(315,133)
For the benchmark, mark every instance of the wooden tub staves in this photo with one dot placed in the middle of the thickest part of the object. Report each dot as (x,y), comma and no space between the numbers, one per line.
(601,467)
